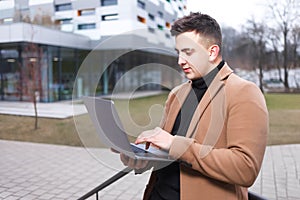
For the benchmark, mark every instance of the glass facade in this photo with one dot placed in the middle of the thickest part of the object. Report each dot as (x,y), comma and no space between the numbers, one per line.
(51,72)
(9,72)
(140,70)
(118,71)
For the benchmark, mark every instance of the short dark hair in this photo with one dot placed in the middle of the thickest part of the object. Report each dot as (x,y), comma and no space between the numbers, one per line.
(202,24)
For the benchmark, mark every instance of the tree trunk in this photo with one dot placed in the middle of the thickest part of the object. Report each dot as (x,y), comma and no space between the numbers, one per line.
(285,57)
(260,74)
(277,64)
(35,112)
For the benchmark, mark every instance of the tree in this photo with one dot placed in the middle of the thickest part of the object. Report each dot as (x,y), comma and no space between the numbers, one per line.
(238,49)
(257,34)
(31,76)
(31,71)
(286,14)
(274,41)
(295,44)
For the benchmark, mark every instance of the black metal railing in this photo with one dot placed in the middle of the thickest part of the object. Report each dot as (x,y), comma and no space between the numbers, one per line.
(254,196)
(96,190)
(109,181)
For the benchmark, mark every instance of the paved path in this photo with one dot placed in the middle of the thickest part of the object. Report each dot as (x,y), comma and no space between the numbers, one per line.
(62,109)
(58,110)
(42,171)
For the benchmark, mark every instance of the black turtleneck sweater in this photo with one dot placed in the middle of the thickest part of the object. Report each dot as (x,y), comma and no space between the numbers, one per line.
(168,181)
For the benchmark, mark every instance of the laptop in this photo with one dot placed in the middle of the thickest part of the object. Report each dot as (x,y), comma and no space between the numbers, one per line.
(112,133)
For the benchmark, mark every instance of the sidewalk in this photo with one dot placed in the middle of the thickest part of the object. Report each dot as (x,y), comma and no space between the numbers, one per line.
(61,109)
(42,171)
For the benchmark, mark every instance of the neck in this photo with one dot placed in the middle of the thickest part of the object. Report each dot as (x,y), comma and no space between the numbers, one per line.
(216,61)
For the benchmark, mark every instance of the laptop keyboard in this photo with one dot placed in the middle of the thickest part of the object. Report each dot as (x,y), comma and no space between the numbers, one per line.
(138,150)
(142,152)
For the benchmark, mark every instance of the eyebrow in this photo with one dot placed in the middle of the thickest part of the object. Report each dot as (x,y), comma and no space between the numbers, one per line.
(185,50)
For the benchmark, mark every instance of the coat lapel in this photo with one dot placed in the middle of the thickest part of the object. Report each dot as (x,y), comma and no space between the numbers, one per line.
(176,105)
(208,97)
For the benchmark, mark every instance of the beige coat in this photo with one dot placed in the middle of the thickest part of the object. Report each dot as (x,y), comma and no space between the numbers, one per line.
(225,142)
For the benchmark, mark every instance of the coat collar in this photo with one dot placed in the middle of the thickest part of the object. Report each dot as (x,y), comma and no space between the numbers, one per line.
(209,95)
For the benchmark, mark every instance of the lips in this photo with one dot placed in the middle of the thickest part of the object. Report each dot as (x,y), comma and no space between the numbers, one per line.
(186,69)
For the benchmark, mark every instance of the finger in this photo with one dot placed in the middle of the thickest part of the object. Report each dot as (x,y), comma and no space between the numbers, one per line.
(124,159)
(113,150)
(156,146)
(131,163)
(140,140)
(139,164)
(147,145)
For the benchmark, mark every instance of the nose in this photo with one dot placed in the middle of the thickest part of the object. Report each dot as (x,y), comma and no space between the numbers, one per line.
(181,61)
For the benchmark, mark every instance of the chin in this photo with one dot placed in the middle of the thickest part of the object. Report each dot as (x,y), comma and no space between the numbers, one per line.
(192,76)
(189,77)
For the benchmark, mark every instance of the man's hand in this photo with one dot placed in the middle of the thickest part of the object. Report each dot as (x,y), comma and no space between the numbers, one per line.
(133,163)
(157,137)
(130,162)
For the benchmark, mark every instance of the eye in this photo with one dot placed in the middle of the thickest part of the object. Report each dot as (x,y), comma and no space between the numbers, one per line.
(189,52)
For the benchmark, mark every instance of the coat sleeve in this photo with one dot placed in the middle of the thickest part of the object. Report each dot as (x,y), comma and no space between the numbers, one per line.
(246,128)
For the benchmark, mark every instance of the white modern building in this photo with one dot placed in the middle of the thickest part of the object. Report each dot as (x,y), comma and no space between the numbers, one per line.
(94,18)
(86,46)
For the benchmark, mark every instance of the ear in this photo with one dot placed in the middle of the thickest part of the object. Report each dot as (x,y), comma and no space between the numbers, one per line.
(213,52)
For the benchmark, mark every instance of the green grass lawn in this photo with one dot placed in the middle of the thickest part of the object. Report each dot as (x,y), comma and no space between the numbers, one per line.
(284,111)
(138,115)
(283,101)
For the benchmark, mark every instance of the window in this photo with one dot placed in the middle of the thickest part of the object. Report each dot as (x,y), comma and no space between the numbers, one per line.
(151,17)
(141,19)
(86,12)
(160,14)
(110,17)
(63,7)
(86,26)
(65,21)
(109,2)
(141,4)
(151,30)
(160,27)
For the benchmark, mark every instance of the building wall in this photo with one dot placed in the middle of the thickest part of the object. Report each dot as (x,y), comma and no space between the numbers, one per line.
(84,59)
(93,18)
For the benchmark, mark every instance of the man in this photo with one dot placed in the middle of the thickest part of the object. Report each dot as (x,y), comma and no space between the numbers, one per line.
(215,124)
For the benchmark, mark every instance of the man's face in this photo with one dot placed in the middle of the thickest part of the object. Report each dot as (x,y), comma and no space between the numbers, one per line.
(193,56)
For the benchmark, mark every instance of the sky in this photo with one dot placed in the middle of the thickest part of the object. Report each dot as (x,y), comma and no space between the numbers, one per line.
(232,13)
